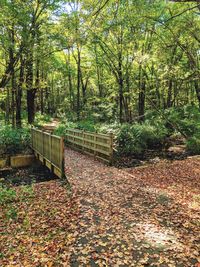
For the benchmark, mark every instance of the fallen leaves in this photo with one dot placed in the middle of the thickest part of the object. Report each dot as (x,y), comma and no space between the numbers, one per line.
(138,217)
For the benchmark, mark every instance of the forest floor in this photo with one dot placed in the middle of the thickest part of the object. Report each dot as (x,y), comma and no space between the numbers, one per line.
(145,216)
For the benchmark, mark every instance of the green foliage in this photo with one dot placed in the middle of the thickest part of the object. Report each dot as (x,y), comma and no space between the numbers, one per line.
(184,119)
(11,213)
(86,125)
(108,128)
(14,141)
(134,139)
(61,129)
(7,195)
(82,125)
(193,144)
(26,192)
(40,119)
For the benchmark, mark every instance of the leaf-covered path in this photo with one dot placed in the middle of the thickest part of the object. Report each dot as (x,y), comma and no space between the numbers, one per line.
(140,217)
(145,216)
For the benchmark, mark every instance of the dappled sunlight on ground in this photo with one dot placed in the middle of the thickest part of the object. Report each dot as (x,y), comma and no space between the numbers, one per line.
(111,217)
(159,236)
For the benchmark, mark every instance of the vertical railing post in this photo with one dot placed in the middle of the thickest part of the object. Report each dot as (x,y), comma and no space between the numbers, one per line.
(82,141)
(111,148)
(61,152)
(95,144)
(50,148)
(43,143)
(74,138)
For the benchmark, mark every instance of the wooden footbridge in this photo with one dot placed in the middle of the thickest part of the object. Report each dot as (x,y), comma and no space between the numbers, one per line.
(49,148)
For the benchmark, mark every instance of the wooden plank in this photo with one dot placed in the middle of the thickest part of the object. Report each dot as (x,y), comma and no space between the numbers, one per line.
(50,150)
(97,143)
(57,172)
(74,130)
(103,159)
(76,137)
(91,141)
(55,136)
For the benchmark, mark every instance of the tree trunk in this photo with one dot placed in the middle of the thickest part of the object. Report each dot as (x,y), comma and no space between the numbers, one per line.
(141,97)
(78,83)
(71,93)
(19,94)
(169,95)
(197,90)
(31,91)
(12,72)
(121,85)
(7,117)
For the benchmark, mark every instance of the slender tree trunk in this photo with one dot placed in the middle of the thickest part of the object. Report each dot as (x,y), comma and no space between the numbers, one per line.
(31,91)
(121,99)
(169,95)
(78,83)
(7,117)
(37,86)
(71,93)
(84,88)
(42,93)
(98,73)
(12,72)
(19,93)
(121,85)
(120,75)
(141,97)
(197,90)
(13,97)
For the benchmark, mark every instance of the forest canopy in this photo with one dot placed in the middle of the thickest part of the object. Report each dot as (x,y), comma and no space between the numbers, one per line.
(104,60)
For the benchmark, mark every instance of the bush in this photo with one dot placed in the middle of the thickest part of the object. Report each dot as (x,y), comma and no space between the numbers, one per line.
(185,119)
(61,129)
(14,141)
(109,128)
(82,125)
(134,139)
(87,125)
(127,143)
(40,119)
(7,195)
(193,144)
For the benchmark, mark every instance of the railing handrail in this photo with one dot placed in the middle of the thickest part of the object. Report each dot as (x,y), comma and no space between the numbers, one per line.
(49,149)
(100,145)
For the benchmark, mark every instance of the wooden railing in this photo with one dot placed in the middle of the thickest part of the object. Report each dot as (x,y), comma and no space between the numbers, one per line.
(96,144)
(49,149)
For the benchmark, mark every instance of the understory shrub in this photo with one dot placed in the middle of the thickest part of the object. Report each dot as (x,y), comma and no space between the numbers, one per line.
(181,120)
(14,141)
(82,125)
(185,119)
(135,139)
(6,194)
(193,144)
(183,123)
(86,125)
(61,129)
(40,119)
(9,196)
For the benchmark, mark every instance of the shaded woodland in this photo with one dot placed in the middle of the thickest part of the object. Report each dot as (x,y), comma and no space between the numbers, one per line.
(103,60)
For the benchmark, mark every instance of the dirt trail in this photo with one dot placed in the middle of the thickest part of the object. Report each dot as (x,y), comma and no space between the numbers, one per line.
(50,126)
(133,218)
